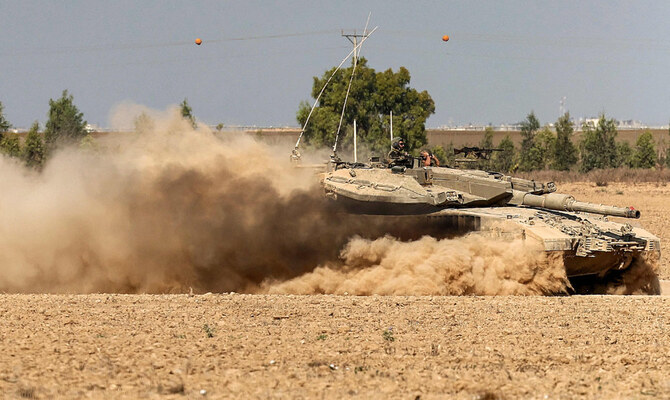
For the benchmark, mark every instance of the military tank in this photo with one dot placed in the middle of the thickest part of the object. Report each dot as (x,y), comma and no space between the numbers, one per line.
(455,200)
(451,201)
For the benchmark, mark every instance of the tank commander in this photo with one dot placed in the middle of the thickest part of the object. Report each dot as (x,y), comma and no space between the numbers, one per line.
(428,159)
(398,155)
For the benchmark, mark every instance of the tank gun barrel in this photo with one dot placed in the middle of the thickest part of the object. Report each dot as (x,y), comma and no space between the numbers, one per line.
(565,202)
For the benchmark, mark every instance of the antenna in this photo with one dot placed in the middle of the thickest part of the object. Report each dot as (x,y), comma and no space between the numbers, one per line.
(295,154)
(561,109)
(391,119)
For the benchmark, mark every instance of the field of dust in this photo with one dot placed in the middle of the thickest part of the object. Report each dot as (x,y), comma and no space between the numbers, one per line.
(324,346)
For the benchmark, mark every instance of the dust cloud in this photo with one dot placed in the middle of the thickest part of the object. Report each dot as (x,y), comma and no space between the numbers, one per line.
(168,209)
(470,265)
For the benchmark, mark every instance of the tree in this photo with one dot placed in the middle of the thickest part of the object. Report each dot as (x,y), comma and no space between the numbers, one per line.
(33,149)
(504,161)
(4,124)
(187,113)
(372,97)
(598,146)
(565,152)
(644,155)
(10,145)
(545,142)
(143,123)
(486,143)
(445,156)
(65,124)
(530,157)
(624,155)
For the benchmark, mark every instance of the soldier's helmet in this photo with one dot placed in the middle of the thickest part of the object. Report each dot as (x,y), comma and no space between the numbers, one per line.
(399,143)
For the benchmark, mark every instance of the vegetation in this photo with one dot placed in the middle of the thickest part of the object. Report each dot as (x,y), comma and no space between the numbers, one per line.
(4,124)
(187,113)
(530,158)
(598,146)
(486,143)
(144,123)
(10,145)
(388,335)
(209,331)
(504,161)
(565,152)
(65,123)
(372,98)
(33,152)
(644,155)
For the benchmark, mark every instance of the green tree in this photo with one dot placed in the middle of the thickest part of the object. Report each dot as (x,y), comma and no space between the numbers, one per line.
(65,123)
(4,124)
(530,157)
(565,152)
(624,155)
(33,149)
(644,154)
(187,113)
(372,97)
(505,160)
(545,142)
(10,145)
(598,145)
(445,156)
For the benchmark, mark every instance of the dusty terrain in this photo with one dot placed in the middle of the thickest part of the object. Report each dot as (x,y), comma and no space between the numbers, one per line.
(283,346)
(252,346)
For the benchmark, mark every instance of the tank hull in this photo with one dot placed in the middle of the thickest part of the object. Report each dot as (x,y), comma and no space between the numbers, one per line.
(589,244)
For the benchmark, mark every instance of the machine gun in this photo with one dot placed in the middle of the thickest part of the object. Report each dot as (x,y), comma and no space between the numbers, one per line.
(476,152)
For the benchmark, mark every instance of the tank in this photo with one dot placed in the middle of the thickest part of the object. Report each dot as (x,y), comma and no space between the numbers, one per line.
(594,239)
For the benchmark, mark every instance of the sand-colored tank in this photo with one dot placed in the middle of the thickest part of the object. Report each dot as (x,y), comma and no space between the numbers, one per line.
(594,239)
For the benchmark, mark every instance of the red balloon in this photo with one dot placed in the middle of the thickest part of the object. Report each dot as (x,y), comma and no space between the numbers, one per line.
(445,38)
(198,41)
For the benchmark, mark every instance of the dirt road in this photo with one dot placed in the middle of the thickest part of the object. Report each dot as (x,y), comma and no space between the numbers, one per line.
(252,346)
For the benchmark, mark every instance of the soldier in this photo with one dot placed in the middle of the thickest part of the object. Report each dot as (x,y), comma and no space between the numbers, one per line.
(398,155)
(428,159)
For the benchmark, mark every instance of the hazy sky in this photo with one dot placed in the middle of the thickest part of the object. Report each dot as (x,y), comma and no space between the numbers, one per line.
(504,59)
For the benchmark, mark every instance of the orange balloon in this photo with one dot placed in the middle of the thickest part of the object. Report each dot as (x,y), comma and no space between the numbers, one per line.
(445,38)
(198,41)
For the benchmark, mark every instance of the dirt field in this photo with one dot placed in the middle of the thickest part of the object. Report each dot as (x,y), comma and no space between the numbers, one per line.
(282,346)
(246,346)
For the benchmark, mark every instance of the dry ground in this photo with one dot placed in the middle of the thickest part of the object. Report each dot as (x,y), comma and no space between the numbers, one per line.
(252,346)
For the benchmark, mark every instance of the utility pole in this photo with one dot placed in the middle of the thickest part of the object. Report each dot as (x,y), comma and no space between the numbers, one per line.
(353,38)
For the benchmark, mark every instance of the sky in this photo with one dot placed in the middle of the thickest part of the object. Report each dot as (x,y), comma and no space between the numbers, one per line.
(504,59)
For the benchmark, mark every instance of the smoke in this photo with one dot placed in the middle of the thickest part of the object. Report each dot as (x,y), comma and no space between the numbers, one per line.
(471,265)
